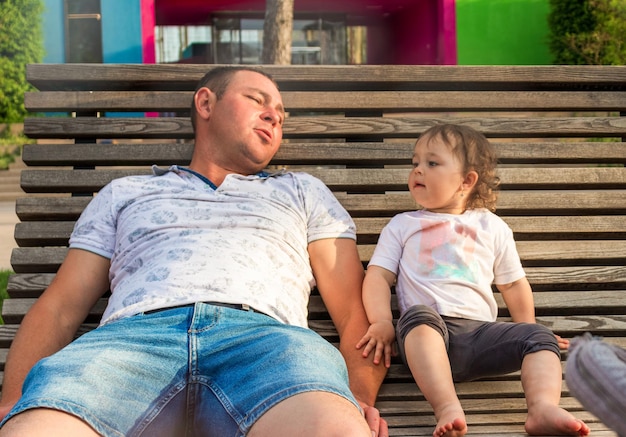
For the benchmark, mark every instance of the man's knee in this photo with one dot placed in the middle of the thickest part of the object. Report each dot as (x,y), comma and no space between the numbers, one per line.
(313,414)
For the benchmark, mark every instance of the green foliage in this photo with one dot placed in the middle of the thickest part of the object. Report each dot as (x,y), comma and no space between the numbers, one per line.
(4,280)
(567,19)
(20,43)
(10,147)
(588,32)
(611,32)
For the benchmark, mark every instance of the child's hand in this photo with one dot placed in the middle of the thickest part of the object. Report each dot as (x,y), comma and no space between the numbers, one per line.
(563,343)
(378,338)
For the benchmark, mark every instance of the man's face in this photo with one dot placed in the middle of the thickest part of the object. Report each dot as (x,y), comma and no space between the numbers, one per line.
(246,124)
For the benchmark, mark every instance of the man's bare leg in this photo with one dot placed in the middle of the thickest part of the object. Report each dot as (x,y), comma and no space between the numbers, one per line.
(312,414)
(541,379)
(426,355)
(46,422)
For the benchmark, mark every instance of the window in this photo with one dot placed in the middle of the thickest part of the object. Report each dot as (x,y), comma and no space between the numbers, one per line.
(238,39)
(83,31)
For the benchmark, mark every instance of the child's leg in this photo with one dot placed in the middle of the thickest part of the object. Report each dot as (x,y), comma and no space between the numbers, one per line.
(426,356)
(480,349)
(541,379)
(422,340)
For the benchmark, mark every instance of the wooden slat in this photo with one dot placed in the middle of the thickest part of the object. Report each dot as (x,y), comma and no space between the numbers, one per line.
(41,233)
(569,251)
(515,203)
(13,310)
(32,234)
(384,101)
(37,260)
(567,326)
(50,208)
(556,252)
(574,324)
(572,226)
(535,226)
(330,127)
(184,77)
(577,276)
(565,302)
(572,302)
(471,405)
(48,259)
(492,424)
(7,332)
(578,324)
(28,284)
(577,202)
(62,181)
(403,127)
(319,153)
(522,202)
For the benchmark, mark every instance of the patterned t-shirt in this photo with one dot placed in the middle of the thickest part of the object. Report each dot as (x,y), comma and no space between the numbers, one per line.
(173,239)
(449,261)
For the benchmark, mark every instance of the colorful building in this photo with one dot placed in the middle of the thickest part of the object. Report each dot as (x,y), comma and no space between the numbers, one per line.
(325,31)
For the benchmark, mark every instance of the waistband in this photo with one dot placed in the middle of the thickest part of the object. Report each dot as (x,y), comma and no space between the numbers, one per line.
(235,306)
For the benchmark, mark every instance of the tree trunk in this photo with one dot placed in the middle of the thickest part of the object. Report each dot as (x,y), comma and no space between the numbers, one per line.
(277,31)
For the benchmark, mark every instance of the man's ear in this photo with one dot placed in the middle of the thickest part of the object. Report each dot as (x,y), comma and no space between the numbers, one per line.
(470,180)
(203,99)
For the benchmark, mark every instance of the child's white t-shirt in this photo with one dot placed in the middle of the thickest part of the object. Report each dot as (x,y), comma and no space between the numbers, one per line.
(449,262)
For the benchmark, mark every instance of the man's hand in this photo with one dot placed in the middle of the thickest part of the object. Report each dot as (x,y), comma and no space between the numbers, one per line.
(378,338)
(377,424)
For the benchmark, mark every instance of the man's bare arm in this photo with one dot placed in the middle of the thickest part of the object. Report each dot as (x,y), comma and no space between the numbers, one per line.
(54,319)
(339,275)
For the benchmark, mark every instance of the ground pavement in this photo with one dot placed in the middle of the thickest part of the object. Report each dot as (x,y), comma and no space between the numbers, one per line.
(8,219)
(9,191)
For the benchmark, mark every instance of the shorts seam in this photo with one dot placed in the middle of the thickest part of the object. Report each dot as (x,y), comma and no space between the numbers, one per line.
(149,416)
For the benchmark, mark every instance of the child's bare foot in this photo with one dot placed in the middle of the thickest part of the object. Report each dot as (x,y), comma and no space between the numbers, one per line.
(554,420)
(451,423)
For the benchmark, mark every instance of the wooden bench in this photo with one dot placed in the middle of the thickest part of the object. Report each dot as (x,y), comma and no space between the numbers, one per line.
(560,132)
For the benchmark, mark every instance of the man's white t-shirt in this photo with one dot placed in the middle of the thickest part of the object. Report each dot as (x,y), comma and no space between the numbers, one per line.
(174,239)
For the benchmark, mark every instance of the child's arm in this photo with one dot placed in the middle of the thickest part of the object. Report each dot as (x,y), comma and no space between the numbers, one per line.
(377,302)
(518,297)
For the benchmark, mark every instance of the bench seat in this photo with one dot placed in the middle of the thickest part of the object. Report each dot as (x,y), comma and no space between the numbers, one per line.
(559,131)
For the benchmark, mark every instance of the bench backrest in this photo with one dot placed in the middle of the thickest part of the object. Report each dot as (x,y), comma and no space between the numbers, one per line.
(560,132)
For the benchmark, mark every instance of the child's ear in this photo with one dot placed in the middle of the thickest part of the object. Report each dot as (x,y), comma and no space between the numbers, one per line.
(470,180)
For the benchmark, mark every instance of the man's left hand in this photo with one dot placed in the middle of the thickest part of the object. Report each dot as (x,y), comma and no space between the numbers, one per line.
(377,424)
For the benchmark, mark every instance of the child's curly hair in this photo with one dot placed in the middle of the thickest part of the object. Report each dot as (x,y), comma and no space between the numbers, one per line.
(475,153)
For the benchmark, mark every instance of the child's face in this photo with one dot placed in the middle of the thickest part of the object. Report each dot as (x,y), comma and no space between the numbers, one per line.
(436,181)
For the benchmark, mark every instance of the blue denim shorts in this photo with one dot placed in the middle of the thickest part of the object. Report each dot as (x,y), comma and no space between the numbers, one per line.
(194,370)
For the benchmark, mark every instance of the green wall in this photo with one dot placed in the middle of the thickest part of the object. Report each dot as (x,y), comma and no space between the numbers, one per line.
(502,32)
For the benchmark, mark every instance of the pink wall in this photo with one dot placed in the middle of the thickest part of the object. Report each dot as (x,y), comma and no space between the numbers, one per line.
(148,22)
(447,32)
(423,33)
(403,32)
